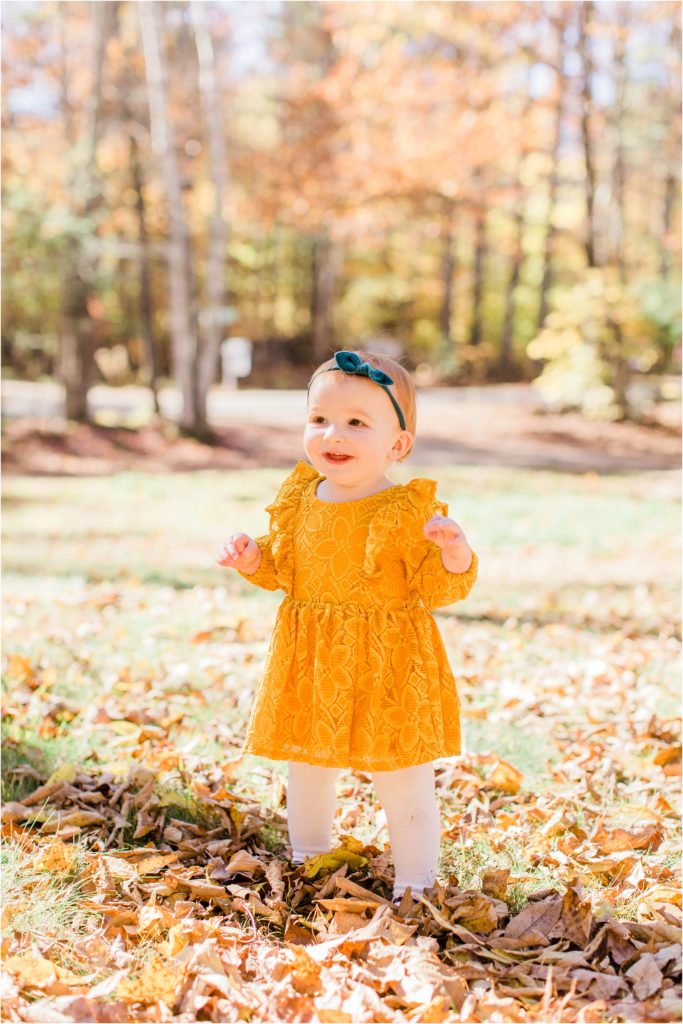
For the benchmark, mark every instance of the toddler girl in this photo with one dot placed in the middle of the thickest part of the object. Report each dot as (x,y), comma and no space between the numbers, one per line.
(356,673)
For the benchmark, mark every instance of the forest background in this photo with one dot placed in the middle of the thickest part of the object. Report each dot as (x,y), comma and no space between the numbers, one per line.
(493,189)
(492,186)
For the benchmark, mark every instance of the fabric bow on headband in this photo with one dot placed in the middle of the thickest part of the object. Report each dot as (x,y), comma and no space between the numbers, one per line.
(350,362)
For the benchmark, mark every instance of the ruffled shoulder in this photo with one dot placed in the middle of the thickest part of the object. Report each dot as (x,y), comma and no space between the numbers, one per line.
(282,511)
(396,526)
(292,487)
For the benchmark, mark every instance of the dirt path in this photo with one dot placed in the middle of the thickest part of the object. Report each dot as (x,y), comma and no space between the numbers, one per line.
(453,430)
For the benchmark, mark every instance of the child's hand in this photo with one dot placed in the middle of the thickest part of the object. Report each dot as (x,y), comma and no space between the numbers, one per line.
(456,553)
(240,552)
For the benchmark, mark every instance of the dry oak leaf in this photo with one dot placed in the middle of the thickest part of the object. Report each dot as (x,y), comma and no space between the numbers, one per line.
(619,839)
(19,667)
(199,889)
(645,976)
(416,974)
(159,980)
(382,926)
(576,916)
(662,894)
(244,863)
(31,970)
(670,755)
(72,819)
(348,906)
(331,861)
(302,971)
(56,857)
(12,811)
(475,911)
(505,777)
(65,773)
(495,882)
(598,983)
(154,920)
(275,879)
(342,923)
(536,922)
(75,1010)
(153,864)
(297,934)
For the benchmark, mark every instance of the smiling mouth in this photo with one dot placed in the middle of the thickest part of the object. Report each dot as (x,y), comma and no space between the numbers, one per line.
(336,458)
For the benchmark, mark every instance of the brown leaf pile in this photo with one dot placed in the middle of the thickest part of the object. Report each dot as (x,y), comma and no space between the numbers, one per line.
(559,895)
(201,922)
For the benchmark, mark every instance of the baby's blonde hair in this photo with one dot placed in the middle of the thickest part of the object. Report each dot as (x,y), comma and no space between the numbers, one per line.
(403,388)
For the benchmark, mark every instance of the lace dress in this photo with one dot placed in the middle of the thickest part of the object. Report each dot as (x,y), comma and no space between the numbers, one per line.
(356,673)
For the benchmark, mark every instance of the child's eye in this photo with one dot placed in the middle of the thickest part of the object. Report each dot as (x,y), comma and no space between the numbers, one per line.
(356,421)
(317,419)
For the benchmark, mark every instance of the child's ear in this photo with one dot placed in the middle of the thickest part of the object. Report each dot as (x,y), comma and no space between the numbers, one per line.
(401,445)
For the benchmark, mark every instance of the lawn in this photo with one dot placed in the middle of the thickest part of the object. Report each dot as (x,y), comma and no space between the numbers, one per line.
(130,664)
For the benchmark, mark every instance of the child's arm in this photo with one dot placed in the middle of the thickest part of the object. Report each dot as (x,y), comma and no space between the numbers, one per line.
(448,569)
(253,559)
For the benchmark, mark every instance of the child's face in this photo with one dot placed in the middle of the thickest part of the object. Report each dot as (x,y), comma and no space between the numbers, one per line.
(355,418)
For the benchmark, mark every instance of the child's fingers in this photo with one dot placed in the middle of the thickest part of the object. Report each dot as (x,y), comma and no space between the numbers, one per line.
(239,542)
(229,552)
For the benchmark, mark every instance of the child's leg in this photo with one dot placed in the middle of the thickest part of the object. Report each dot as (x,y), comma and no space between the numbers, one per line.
(311,801)
(408,796)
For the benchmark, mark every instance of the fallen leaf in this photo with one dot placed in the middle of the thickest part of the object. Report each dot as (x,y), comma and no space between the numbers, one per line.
(56,857)
(495,882)
(331,861)
(159,980)
(505,777)
(244,863)
(621,839)
(645,976)
(536,921)
(31,970)
(65,773)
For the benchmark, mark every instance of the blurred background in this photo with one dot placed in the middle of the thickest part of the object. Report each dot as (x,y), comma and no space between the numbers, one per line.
(201,202)
(206,199)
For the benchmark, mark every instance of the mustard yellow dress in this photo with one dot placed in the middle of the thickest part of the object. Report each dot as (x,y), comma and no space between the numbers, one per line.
(356,673)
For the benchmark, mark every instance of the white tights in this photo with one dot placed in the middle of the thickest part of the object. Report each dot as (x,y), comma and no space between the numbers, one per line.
(408,797)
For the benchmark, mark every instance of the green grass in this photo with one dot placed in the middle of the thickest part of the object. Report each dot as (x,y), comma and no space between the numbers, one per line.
(167,529)
(45,903)
(109,583)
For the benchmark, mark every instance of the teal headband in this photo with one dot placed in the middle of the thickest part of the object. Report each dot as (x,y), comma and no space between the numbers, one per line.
(349,362)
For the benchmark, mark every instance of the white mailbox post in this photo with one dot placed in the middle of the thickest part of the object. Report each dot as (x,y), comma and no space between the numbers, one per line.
(235,360)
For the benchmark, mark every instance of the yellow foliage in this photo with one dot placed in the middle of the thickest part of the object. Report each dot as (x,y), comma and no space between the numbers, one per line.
(158,980)
(331,861)
(56,857)
(65,773)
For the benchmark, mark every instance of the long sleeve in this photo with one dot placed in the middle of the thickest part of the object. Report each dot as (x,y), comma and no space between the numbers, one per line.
(276,570)
(265,574)
(435,584)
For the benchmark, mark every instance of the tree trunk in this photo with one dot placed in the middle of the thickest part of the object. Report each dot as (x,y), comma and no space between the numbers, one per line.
(76,343)
(505,357)
(180,283)
(476,329)
(553,179)
(218,157)
(144,284)
(447,272)
(619,168)
(585,16)
(619,363)
(666,262)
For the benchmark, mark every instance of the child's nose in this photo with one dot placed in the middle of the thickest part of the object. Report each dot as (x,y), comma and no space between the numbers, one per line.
(332,432)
